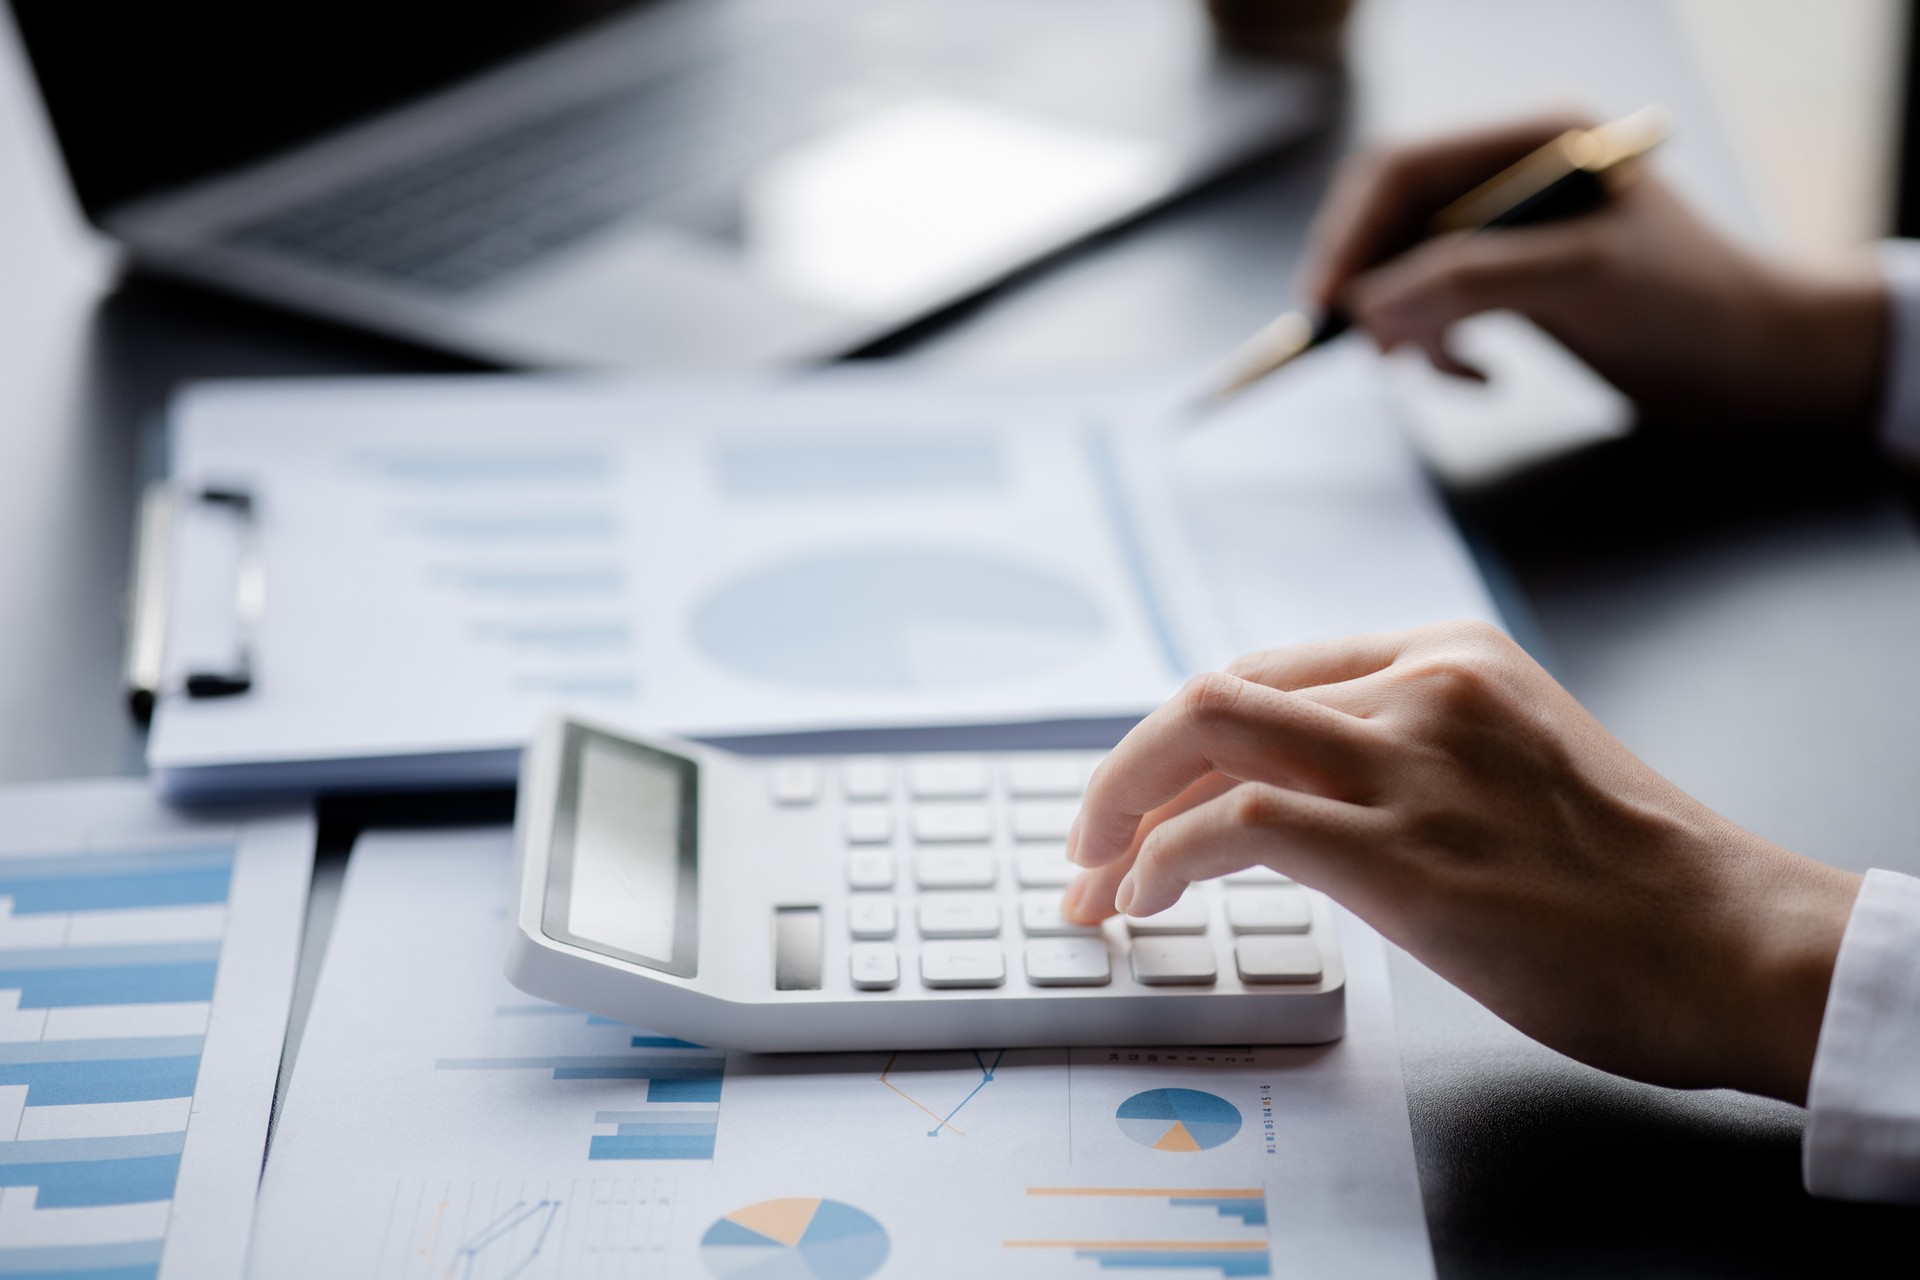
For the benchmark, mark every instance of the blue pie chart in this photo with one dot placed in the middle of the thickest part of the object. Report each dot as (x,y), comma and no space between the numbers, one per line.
(1178,1119)
(798,1238)
(894,619)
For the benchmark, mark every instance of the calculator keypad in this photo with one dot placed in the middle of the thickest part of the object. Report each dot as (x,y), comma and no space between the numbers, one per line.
(962,861)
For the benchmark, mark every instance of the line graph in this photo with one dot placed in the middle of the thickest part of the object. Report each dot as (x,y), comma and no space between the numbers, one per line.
(502,1231)
(943,1119)
(528,1230)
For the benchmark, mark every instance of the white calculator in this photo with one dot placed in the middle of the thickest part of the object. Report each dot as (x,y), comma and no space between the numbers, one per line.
(898,902)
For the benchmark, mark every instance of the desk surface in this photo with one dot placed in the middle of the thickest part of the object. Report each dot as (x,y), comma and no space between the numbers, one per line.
(1748,629)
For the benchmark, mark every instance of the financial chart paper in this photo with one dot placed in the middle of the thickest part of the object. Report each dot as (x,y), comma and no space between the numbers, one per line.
(441,1124)
(146,967)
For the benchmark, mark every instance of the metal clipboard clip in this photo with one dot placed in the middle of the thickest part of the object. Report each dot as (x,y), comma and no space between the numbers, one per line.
(152,593)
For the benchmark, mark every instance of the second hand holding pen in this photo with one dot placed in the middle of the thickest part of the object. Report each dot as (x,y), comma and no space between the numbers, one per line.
(1571,175)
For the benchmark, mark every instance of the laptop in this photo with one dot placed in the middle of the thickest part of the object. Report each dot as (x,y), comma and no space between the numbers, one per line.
(669,184)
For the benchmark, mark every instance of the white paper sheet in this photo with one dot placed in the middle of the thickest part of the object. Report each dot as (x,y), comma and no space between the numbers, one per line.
(431,1130)
(146,967)
(445,558)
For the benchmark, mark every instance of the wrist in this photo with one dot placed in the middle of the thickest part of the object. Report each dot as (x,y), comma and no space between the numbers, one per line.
(1797,916)
(1830,335)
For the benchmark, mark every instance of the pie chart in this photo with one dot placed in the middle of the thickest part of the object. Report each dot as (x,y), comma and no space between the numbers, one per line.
(800,1238)
(1178,1119)
(892,619)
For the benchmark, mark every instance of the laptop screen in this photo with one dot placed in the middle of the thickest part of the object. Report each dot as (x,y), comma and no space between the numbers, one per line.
(145,96)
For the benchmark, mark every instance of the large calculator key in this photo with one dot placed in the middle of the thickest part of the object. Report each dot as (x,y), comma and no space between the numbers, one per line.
(868,824)
(871,917)
(961,779)
(1040,917)
(1277,958)
(954,869)
(870,869)
(1068,962)
(794,784)
(1256,875)
(1043,819)
(951,824)
(1276,910)
(1188,915)
(1045,778)
(866,780)
(1043,867)
(959,915)
(962,964)
(1174,962)
(874,966)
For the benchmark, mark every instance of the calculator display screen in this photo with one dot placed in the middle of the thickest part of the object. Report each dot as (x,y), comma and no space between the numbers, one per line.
(624,868)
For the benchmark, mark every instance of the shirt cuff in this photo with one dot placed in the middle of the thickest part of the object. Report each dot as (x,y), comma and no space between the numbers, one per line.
(1900,407)
(1863,1133)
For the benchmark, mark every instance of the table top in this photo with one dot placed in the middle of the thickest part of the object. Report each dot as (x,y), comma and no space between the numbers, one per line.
(1746,624)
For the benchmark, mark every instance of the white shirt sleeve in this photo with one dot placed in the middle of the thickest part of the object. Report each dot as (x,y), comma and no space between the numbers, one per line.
(1900,409)
(1863,1133)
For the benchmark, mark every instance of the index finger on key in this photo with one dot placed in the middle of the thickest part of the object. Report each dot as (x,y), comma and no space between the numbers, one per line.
(1218,723)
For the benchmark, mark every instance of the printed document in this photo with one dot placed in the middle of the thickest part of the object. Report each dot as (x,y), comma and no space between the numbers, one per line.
(146,967)
(439,1123)
(444,559)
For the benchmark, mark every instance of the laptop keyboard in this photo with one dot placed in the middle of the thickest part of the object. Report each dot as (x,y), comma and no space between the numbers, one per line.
(461,217)
(672,144)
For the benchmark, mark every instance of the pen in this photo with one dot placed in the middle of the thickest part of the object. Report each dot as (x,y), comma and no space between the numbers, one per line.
(1570,175)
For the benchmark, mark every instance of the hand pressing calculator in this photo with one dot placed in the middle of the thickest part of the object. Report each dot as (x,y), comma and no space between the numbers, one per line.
(905,902)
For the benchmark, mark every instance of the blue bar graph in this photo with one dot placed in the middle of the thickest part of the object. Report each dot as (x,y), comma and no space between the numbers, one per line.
(679,1118)
(155,973)
(1223,1263)
(465,466)
(67,1072)
(65,1173)
(129,1260)
(702,1089)
(1253,1212)
(40,884)
(79,1172)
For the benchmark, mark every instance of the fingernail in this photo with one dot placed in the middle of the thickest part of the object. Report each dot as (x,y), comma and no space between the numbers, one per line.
(1070,900)
(1123,896)
(1073,840)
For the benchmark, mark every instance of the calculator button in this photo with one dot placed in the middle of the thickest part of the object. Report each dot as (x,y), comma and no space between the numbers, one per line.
(1171,962)
(868,824)
(794,784)
(954,869)
(871,917)
(1069,962)
(1043,867)
(951,824)
(1188,915)
(1277,958)
(959,915)
(962,779)
(962,964)
(1278,910)
(874,966)
(870,869)
(1045,778)
(1043,819)
(1040,917)
(866,780)
(1256,875)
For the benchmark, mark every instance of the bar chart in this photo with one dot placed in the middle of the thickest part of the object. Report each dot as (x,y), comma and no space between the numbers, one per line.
(107,969)
(675,1111)
(1221,1230)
